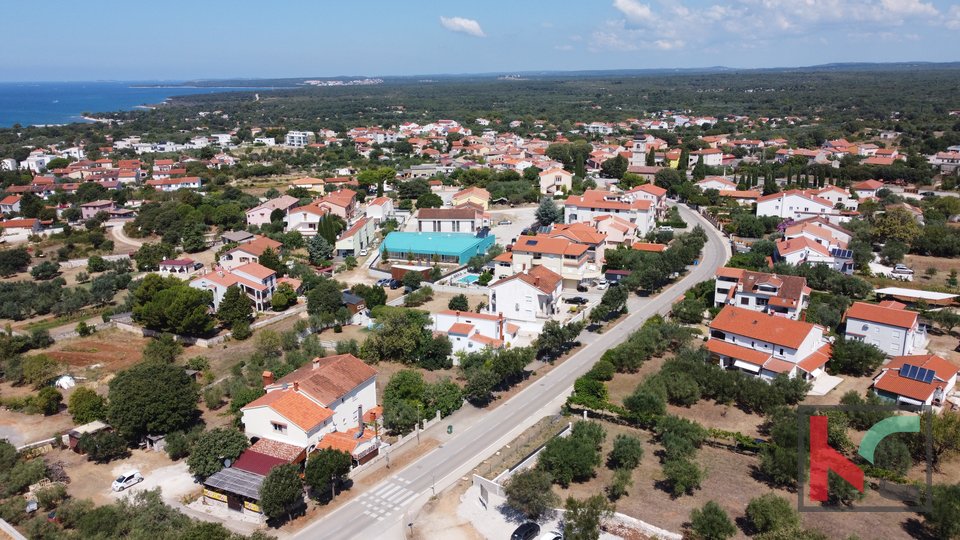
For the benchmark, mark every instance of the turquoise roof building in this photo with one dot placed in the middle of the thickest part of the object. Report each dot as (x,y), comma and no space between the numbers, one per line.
(425,246)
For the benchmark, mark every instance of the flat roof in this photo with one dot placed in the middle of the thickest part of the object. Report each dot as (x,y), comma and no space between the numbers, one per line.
(432,242)
(236,481)
(915,293)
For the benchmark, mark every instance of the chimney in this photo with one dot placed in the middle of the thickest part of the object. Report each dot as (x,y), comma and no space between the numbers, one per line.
(296,386)
(267,378)
(316,363)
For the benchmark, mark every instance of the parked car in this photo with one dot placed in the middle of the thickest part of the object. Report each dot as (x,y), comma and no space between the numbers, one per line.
(602,284)
(902,269)
(527,531)
(504,222)
(385,282)
(552,535)
(581,287)
(395,284)
(363,252)
(927,194)
(665,228)
(578,300)
(126,480)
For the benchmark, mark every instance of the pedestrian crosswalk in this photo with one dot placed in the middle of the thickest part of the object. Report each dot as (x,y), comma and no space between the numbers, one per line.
(390,497)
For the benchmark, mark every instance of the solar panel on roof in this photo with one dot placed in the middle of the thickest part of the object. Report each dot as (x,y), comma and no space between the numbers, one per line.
(842,253)
(908,371)
(928,376)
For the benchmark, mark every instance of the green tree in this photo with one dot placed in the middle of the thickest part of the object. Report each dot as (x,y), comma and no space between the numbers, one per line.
(459,303)
(40,369)
(626,453)
(852,357)
(103,446)
(614,167)
(235,307)
(771,512)
(944,517)
(319,249)
(324,299)
(270,259)
(531,493)
(584,518)
(682,475)
(548,212)
(85,406)
(622,480)
(48,400)
(711,523)
(214,446)
(326,471)
(149,255)
(151,398)
(429,200)
(13,261)
(896,224)
(412,280)
(164,348)
(281,492)
(45,271)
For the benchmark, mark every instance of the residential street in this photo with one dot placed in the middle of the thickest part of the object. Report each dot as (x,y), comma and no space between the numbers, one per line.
(385,510)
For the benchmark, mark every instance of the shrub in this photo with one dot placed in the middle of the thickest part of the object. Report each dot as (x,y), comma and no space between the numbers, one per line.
(622,480)
(711,522)
(770,512)
(626,453)
(682,476)
(104,446)
(530,492)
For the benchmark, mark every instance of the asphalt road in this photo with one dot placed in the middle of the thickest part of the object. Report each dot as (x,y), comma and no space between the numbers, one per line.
(384,510)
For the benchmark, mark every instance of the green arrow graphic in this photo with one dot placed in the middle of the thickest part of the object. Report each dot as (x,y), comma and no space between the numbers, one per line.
(894,424)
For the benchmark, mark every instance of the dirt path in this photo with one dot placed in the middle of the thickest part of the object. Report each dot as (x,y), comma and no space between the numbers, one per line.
(120,237)
(439,517)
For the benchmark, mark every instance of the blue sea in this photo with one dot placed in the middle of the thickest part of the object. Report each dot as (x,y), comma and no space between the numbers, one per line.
(64,102)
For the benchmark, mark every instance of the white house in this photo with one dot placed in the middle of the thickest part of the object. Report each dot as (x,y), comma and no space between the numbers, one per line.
(174,184)
(765,346)
(328,395)
(298,139)
(470,332)
(838,196)
(530,296)
(801,249)
(257,281)
(868,188)
(555,180)
(304,219)
(248,252)
(462,219)
(718,183)
(887,325)
(181,268)
(656,195)
(783,296)
(712,157)
(380,209)
(595,203)
(260,215)
(569,259)
(356,238)
(10,204)
(915,381)
(794,204)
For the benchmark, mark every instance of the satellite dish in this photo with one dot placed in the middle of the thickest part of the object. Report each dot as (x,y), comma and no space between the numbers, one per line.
(226,463)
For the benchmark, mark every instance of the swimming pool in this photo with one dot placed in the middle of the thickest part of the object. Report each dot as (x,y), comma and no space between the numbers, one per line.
(469,278)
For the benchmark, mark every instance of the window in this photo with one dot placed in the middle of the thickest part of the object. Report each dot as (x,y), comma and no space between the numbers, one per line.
(781,350)
(744,300)
(278,427)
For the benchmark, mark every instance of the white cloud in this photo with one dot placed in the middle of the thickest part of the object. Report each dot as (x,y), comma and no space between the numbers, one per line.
(634,11)
(460,24)
(671,25)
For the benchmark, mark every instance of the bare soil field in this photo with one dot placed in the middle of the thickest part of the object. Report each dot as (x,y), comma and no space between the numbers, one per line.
(920,263)
(112,349)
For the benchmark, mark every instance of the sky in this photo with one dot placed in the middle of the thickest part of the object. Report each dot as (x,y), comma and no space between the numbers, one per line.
(66,40)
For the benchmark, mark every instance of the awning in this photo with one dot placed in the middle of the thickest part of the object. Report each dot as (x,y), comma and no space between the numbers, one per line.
(744,365)
(236,481)
(909,401)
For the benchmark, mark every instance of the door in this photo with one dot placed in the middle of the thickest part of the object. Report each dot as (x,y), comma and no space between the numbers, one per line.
(234,502)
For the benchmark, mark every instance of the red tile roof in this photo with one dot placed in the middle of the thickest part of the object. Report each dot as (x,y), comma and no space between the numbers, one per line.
(751,356)
(890,380)
(544,244)
(329,378)
(257,463)
(888,314)
(761,326)
(293,406)
(461,329)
